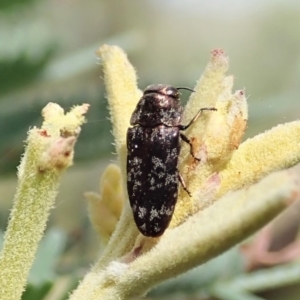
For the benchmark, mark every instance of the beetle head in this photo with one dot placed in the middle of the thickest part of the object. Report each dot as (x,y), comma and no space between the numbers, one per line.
(159,105)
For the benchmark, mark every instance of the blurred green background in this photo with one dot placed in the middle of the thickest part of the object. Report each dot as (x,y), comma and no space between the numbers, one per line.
(47,53)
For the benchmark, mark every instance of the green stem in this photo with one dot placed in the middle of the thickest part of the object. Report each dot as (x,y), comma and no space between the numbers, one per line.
(34,198)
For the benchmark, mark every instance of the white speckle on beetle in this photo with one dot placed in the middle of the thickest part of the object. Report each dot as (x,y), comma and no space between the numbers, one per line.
(142,212)
(143,227)
(157,228)
(153,214)
(158,163)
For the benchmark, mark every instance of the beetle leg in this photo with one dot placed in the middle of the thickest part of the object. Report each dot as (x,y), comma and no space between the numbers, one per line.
(185,139)
(184,127)
(183,184)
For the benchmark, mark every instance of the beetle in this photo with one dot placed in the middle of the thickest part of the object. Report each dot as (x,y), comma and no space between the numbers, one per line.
(153,145)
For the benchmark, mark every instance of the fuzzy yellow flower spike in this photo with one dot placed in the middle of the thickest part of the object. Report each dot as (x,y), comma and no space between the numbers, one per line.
(105,209)
(218,215)
(48,153)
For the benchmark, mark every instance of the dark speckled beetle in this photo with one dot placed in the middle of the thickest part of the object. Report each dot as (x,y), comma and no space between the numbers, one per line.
(153,145)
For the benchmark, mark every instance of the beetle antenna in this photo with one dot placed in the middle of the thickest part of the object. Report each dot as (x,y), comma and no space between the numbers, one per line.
(185,88)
